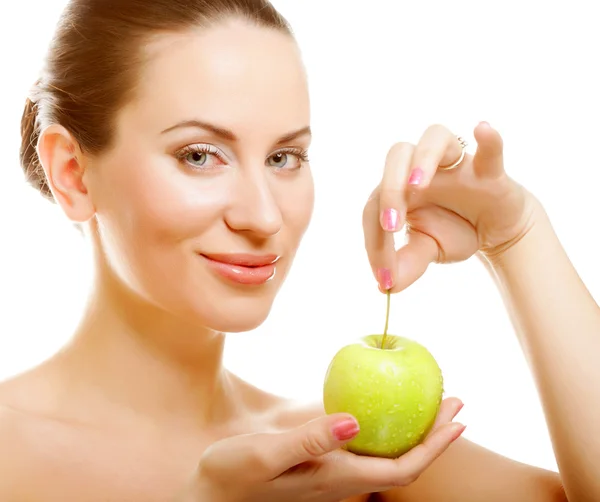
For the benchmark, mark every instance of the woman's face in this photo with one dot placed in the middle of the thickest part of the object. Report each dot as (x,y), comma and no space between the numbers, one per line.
(205,195)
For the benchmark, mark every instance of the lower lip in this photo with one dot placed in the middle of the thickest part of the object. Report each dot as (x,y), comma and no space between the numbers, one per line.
(252,276)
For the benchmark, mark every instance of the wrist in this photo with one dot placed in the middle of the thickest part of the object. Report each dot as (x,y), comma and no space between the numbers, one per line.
(534,217)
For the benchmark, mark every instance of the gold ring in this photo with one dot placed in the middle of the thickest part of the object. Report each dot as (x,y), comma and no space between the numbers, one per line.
(463,144)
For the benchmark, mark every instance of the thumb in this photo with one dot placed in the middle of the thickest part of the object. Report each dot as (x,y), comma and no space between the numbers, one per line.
(267,455)
(315,438)
(488,160)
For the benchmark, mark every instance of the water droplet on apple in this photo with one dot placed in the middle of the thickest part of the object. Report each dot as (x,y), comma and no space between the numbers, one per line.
(409,435)
(420,407)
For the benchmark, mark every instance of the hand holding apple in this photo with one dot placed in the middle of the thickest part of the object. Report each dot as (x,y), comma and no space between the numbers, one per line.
(392,385)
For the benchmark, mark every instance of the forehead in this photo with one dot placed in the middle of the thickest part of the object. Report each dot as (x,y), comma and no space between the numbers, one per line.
(235,75)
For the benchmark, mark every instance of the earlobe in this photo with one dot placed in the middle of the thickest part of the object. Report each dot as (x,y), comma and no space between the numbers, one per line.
(64,166)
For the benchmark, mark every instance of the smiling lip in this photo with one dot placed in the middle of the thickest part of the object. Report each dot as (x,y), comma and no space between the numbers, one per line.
(243,268)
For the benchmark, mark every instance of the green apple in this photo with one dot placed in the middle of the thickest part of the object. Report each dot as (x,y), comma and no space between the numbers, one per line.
(392,385)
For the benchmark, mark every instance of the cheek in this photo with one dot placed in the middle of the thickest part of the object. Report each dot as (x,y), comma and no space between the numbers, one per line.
(150,205)
(296,202)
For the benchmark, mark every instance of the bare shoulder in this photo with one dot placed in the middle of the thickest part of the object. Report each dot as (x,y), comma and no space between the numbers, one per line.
(468,472)
(16,453)
(29,435)
(10,454)
(278,411)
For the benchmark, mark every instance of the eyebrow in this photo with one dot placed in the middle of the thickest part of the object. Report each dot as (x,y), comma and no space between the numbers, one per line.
(229,135)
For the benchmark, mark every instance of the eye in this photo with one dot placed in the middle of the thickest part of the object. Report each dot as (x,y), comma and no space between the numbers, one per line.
(288,159)
(279,159)
(201,156)
(197,158)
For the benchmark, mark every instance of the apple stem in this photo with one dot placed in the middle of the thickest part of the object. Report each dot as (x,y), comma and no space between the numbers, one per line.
(387,319)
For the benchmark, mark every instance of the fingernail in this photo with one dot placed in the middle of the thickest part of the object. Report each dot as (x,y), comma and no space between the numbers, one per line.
(346,429)
(384,277)
(484,123)
(458,431)
(416,176)
(389,220)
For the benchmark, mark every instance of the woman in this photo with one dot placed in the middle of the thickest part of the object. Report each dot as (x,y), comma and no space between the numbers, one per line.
(195,193)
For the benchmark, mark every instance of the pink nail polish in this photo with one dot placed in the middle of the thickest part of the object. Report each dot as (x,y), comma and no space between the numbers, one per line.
(346,429)
(390,220)
(416,176)
(384,277)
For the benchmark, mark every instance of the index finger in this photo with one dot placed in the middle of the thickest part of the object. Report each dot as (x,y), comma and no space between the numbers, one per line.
(385,213)
(379,244)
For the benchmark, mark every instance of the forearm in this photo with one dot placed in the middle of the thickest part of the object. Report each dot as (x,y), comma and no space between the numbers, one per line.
(558,325)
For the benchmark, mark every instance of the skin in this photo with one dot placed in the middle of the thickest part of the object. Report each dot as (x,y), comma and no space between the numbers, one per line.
(125,411)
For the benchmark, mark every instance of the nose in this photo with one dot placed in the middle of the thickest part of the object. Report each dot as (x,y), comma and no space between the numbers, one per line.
(253,207)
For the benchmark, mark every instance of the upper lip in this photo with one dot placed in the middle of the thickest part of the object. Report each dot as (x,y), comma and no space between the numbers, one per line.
(243,259)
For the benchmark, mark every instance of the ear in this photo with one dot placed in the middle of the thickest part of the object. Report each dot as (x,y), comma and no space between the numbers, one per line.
(64,166)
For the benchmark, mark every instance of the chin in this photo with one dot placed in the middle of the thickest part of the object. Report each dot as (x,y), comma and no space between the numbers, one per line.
(212,302)
(233,315)
(221,306)
(239,325)
(227,307)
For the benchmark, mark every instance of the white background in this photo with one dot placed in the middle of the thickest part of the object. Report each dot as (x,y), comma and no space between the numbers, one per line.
(380,72)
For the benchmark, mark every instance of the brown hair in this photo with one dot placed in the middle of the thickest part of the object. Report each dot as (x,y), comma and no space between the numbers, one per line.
(92,61)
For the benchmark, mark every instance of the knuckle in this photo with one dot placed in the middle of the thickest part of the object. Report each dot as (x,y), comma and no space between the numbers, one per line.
(328,481)
(410,479)
(372,204)
(374,194)
(427,152)
(257,459)
(437,128)
(400,148)
(323,486)
(215,461)
(406,479)
(314,444)
(209,458)
(210,467)
(391,194)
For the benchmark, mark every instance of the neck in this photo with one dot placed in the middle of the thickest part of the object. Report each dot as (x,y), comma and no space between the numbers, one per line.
(141,359)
